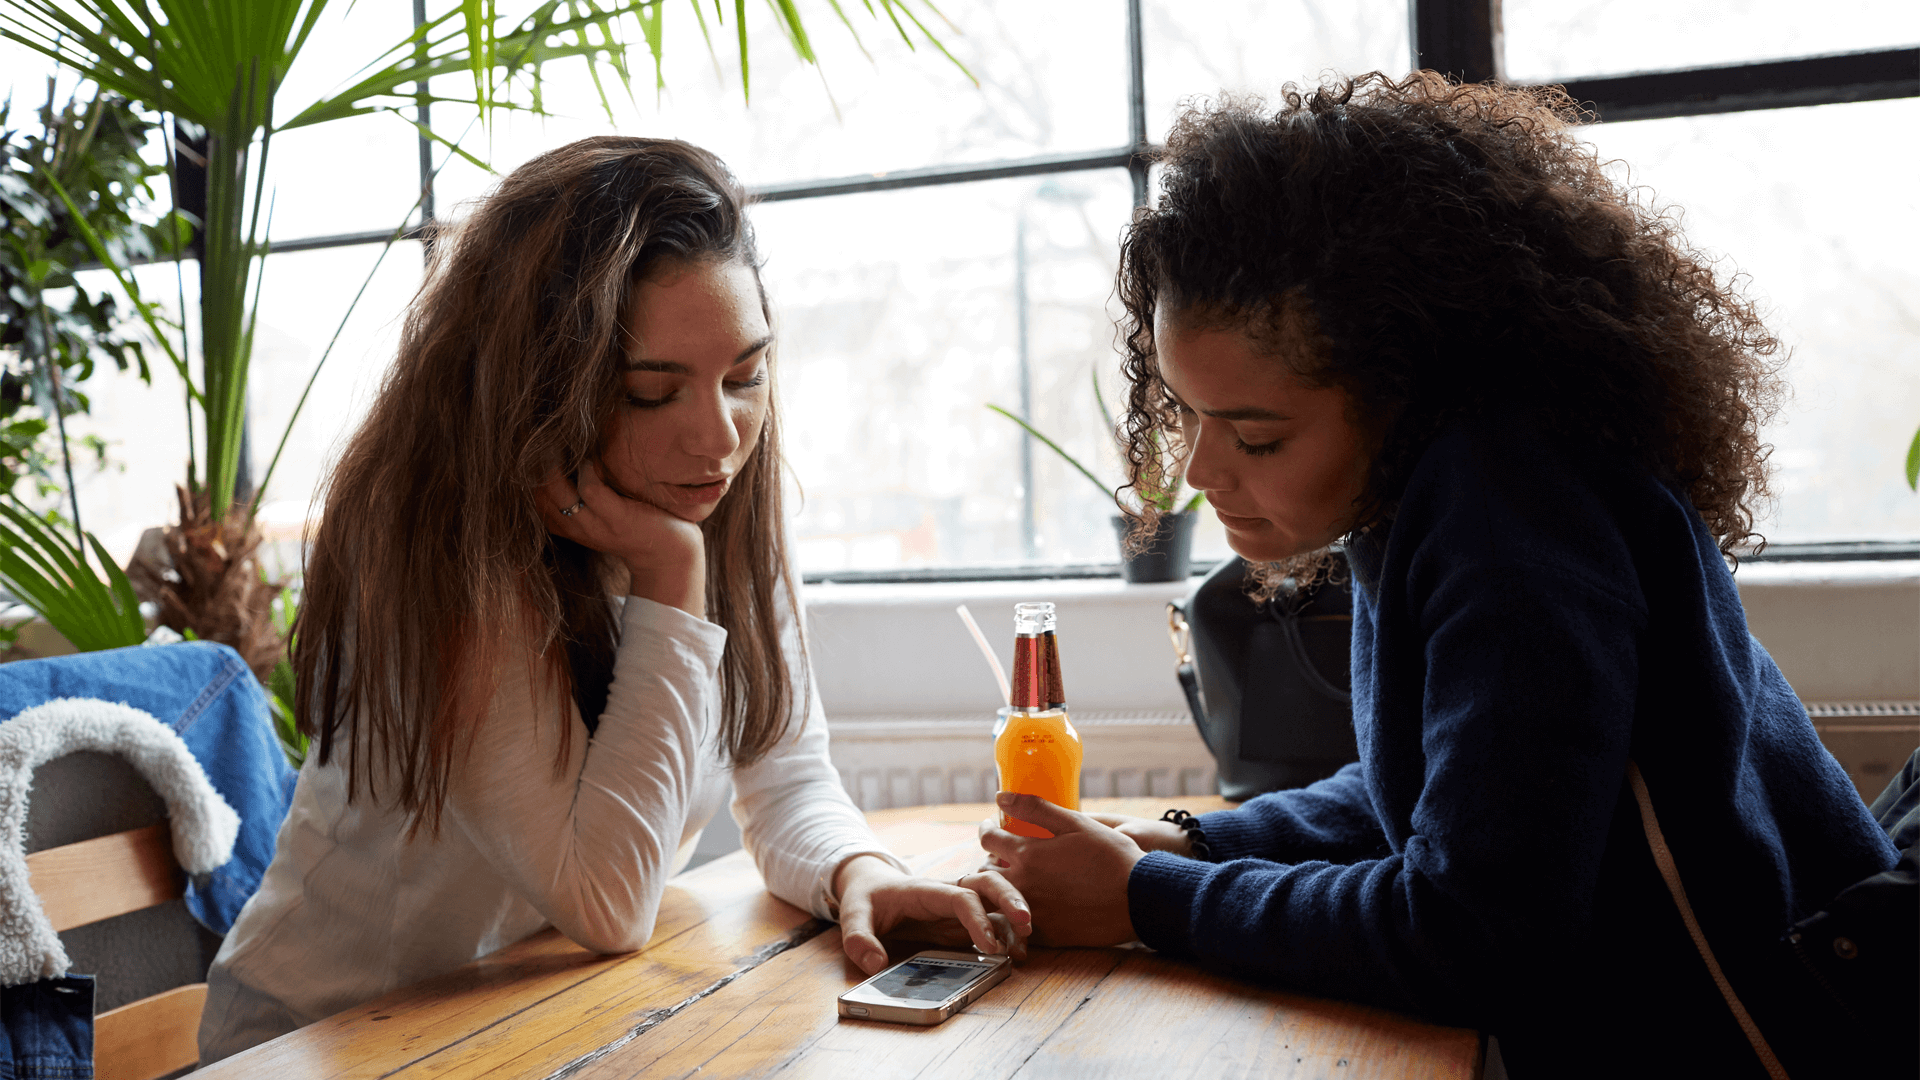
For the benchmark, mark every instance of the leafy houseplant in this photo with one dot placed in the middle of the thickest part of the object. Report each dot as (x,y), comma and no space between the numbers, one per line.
(1164,555)
(216,67)
(80,173)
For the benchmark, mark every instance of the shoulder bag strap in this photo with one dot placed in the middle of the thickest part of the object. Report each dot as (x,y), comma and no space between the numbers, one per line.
(1184,669)
(1663,858)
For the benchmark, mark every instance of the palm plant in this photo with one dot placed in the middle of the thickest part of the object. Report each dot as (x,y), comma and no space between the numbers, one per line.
(49,573)
(217,66)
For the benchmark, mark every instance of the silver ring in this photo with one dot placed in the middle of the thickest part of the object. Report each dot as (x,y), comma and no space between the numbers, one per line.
(571,510)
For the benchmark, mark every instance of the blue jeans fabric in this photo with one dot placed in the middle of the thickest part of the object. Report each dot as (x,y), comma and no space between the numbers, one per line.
(46,1030)
(207,695)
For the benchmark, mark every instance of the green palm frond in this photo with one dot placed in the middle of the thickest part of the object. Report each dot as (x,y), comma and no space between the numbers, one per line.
(51,575)
(218,65)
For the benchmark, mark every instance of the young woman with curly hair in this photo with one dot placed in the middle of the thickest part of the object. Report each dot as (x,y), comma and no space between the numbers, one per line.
(1419,319)
(549,618)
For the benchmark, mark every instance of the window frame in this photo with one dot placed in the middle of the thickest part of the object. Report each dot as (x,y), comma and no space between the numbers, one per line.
(1459,38)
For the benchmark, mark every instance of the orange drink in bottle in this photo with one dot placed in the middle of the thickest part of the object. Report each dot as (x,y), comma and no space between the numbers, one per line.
(1035,747)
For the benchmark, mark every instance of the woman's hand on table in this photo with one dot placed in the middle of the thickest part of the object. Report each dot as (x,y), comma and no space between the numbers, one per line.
(876,898)
(1077,880)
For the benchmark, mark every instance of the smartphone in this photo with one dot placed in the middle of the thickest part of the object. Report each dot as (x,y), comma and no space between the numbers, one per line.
(925,989)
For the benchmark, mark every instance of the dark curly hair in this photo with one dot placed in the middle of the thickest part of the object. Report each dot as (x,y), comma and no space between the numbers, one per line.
(1454,251)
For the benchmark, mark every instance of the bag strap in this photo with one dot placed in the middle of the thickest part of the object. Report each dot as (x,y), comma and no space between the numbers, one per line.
(1183,669)
(1663,858)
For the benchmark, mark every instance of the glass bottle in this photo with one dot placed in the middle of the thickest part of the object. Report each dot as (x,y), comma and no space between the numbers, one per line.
(1035,747)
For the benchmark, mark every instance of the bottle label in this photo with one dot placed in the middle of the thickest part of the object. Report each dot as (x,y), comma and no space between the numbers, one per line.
(1036,672)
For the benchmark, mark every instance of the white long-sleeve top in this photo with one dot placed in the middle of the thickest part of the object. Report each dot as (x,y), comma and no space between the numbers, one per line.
(353,907)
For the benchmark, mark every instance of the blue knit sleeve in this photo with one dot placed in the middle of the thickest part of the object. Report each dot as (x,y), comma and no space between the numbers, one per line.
(1330,820)
(1506,768)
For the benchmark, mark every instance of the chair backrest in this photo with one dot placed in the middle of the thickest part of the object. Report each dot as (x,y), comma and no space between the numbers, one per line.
(114,900)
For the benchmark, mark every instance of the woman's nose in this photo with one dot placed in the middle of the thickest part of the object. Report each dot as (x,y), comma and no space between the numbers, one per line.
(1206,468)
(710,431)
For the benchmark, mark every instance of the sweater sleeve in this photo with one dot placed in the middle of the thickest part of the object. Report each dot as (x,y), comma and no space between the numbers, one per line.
(1330,820)
(588,838)
(1522,743)
(795,817)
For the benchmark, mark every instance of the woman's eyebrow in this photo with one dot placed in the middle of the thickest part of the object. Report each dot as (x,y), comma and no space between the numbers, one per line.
(668,367)
(748,352)
(1244,414)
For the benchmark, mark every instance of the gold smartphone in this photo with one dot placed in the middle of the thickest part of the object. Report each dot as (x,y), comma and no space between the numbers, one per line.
(925,988)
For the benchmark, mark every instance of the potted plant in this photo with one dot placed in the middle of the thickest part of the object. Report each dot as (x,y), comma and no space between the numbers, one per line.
(1165,555)
(215,71)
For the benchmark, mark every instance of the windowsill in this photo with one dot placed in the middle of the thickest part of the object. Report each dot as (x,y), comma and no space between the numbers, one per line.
(1841,631)
(1838,572)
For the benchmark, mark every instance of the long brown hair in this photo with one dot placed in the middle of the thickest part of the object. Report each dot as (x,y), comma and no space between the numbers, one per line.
(1456,251)
(431,561)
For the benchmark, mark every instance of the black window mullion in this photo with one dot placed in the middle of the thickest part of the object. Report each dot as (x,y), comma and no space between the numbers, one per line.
(421,106)
(1457,38)
(1137,104)
(1772,84)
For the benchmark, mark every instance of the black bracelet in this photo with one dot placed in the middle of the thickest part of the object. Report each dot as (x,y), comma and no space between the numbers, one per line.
(1196,837)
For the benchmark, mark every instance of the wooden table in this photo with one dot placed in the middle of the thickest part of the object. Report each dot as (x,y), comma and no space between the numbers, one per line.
(737,983)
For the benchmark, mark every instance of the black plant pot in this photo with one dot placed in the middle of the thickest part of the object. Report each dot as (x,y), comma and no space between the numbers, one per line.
(1165,558)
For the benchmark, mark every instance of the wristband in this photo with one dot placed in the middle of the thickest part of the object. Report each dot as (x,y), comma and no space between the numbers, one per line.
(1196,837)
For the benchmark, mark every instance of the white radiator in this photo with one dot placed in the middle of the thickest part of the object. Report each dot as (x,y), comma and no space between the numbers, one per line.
(890,761)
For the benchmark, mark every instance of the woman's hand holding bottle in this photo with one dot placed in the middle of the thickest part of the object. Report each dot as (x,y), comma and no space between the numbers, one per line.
(1076,880)
(1149,834)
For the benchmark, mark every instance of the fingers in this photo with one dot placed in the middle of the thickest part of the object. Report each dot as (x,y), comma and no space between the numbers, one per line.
(999,892)
(1035,810)
(1013,940)
(1001,844)
(857,932)
(593,486)
(558,495)
(972,914)
(857,938)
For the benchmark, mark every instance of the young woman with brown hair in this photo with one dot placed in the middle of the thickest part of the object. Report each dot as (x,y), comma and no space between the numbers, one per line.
(1421,319)
(549,616)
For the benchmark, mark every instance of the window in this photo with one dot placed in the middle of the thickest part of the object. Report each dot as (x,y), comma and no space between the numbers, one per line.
(932,249)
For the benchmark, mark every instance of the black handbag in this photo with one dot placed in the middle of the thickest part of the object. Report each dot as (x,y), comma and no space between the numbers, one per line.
(1267,683)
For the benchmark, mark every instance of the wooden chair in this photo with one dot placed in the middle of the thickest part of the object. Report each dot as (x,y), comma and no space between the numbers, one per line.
(130,876)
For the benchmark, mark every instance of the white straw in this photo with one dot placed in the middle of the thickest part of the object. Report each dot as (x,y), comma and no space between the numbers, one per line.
(986,650)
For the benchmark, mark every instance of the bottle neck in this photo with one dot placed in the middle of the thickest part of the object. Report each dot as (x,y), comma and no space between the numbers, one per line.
(1037,685)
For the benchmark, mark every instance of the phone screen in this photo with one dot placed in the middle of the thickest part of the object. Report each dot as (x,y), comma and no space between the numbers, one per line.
(927,979)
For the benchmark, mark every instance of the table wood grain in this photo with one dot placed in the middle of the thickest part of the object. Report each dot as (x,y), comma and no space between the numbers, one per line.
(736,983)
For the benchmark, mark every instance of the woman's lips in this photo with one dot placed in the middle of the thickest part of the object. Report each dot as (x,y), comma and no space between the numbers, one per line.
(701,494)
(1235,521)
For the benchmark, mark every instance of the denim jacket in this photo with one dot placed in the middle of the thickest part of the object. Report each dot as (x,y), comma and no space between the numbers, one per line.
(46,1030)
(206,694)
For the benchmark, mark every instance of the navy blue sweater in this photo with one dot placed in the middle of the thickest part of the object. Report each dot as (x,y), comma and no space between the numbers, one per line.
(1533,618)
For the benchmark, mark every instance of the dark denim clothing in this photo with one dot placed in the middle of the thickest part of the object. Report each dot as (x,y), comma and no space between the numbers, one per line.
(206,694)
(46,1030)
